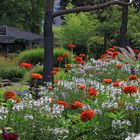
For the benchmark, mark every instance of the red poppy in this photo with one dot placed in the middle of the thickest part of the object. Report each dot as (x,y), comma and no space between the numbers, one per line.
(116,84)
(65,55)
(133,77)
(87,115)
(82,55)
(26,65)
(59,58)
(71,45)
(130,89)
(78,59)
(92,92)
(36,76)
(107,80)
(65,104)
(77,104)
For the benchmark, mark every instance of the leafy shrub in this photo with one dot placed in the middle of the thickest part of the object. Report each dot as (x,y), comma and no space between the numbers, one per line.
(78,29)
(9,69)
(35,56)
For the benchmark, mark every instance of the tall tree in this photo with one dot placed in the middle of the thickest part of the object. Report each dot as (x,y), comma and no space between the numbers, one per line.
(123,28)
(124,23)
(48,34)
(24,14)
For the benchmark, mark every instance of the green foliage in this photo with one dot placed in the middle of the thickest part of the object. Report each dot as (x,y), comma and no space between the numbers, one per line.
(59,52)
(35,69)
(35,56)
(25,14)
(78,29)
(134,26)
(9,70)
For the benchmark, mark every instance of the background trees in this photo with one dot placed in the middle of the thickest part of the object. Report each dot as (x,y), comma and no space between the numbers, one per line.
(24,14)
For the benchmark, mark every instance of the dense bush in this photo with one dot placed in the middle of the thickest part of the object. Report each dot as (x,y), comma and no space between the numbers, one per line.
(35,56)
(78,29)
(9,69)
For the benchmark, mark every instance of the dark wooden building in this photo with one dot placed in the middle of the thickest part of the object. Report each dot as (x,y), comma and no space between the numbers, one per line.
(13,40)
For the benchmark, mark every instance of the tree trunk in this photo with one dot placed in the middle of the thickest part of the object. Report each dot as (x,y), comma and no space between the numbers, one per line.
(48,42)
(123,28)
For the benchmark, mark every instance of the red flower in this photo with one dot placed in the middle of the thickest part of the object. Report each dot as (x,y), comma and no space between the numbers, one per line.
(104,56)
(65,55)
(111,49)
(71,45)
(116,84)
(78,59)
(109,52)
(83,62)
(115,54)
(56,69)
(54,72)
(87,115)
(133,77)
(82,55)
(107,80)
(26,65)
(115,47)
(138,56)
(59,58)
(77,104)
(9,136)
(10,95)
(50,88)
(56,81)
(92,92)
(130,89)
(65,104)
(135,50)
(36,76)
(82,86)
(118,66)
(67,66)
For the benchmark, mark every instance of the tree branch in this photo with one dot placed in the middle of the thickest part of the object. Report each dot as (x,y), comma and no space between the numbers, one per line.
(92,8)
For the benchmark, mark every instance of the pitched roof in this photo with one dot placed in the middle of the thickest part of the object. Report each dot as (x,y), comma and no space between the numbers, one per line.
(10,34)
